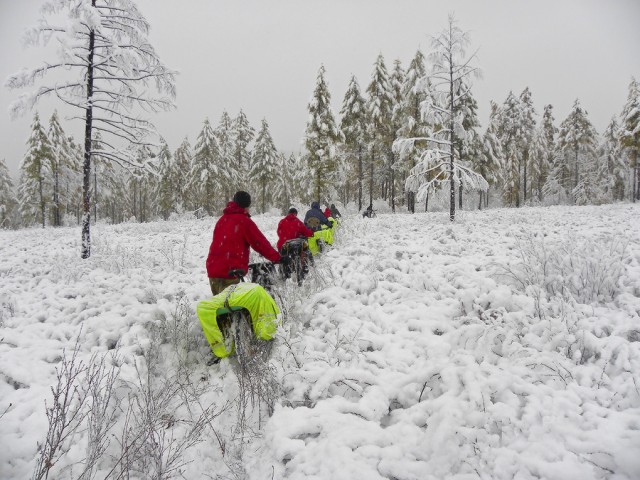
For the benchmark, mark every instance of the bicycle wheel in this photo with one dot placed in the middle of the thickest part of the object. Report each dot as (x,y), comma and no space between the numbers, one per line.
(224,324)
(243,337)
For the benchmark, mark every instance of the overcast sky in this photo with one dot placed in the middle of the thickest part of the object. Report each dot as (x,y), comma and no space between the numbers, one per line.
(263,56)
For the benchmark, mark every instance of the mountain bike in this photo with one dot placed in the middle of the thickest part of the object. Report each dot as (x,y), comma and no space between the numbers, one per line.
(235,323)
(297,250)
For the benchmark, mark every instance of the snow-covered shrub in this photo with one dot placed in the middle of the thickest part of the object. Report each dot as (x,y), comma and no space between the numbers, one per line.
(571,268)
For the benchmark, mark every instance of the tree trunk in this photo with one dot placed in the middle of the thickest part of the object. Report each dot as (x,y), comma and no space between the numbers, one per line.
(524,179)
(41,189)
(480,201)
(393,188)
(452,189)
(86,169)
(426,203)
(56,197)
(373,151)
(95,193)
(360,177)
(460,195)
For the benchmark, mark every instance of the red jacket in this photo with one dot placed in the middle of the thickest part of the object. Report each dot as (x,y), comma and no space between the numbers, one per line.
(291,227)
(233,234)
(327,212)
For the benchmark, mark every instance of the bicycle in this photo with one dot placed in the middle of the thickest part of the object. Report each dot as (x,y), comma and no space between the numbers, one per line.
(297,250)
(235,322)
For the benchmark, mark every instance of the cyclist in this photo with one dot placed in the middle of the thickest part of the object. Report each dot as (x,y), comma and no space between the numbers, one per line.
(233,235)
(314,219)
(291,227)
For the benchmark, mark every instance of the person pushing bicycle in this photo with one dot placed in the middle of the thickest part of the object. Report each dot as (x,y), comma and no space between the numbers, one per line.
(233,236)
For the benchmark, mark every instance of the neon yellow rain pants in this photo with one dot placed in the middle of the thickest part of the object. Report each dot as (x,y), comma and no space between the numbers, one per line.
(263,309)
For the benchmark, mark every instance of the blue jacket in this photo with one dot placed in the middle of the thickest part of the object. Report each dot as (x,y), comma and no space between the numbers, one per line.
(315,212)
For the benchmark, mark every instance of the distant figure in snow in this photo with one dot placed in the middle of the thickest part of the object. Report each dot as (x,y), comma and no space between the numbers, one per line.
(368,212)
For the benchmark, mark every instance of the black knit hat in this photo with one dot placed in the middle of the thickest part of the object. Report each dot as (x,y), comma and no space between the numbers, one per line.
(242,198)
(293,210)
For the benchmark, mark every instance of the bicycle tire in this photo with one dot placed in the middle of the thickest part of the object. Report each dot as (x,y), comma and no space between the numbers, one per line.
(243,337)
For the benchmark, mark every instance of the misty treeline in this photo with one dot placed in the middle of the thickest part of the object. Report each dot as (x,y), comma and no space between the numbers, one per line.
(402,141)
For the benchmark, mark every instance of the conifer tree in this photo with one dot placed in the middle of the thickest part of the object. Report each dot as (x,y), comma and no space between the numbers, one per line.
(491,157)
(537,161)
(614,169)
(379,119)
(320,137)
(167,198)
(575,157)
(243,135)
(549,132)
(414,92)
(282,189)
(183,160)
(58,161)
(353,127)
(72,180)
(32,190)
(630,134)
(469,143)
(527,130)
(396,83)
(101,169)
(8,201)
(230,178)
(264,165)
(510,130)
(204,178)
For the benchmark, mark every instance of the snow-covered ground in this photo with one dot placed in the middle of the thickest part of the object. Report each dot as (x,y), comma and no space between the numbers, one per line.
(503,346)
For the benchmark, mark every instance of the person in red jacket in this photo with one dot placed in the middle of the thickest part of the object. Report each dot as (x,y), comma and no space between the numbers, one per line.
(291,227)
(233,235)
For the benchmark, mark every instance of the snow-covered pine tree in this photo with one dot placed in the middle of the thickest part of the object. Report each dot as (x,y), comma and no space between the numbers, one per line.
(614,170)
(72,180)
(204,178)
(630,134)
(576,156)
(527,116)
(300,178)
(230,176)
(353,127)
(58,161)
(183,160)
(413,125)
(281,193)
(538,167)
(34,169)
(243,135)
(396,82)
(491,158)
(101,167)
(469,143)
(320,137)
(8,200)
(264,165)
(450,67)
(379,107)
(549,133)
(107,65)
(510,131)
(166,198)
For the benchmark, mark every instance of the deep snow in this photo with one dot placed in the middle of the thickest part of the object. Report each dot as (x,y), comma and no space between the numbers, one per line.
(505,345)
